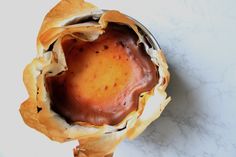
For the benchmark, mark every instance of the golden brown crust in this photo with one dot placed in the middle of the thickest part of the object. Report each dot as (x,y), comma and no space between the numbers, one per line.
(98,141)
(62,13)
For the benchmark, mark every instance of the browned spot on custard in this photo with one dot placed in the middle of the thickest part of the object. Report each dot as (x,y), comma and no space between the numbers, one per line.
(102,87)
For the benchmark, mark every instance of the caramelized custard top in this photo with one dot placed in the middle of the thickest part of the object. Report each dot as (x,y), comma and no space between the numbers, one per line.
(104,78)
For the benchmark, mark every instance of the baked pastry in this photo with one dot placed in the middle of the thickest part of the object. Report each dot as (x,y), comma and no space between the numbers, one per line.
(96,79)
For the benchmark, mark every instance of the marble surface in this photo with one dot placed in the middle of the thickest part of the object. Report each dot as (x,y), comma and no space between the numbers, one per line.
(198,38)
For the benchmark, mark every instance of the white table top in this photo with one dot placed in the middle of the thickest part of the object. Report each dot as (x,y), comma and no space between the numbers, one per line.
(198,38)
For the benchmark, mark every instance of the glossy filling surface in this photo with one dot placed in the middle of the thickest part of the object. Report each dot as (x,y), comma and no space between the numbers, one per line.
(104,78)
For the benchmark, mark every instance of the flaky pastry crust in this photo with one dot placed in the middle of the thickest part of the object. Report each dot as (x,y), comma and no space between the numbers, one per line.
(95,141)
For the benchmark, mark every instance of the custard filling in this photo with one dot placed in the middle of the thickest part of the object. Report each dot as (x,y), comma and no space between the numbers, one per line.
(104,78)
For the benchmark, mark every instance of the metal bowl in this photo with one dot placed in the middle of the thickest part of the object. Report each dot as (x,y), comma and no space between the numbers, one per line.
(95,16)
